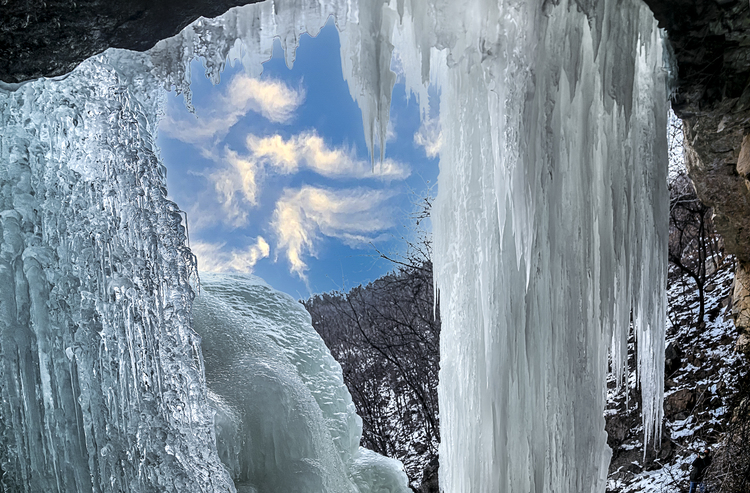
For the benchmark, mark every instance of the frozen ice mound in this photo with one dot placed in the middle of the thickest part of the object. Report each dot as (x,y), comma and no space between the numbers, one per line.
(285,420)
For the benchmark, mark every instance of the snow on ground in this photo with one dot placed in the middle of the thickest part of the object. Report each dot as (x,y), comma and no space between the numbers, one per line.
(697,391)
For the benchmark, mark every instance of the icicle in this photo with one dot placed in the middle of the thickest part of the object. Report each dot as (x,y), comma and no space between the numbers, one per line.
(553,178)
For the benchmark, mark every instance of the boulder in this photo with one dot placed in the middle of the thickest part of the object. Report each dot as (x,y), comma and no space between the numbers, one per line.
(430,482)
(743,344)
(617,428)
(682,401)
(672,359)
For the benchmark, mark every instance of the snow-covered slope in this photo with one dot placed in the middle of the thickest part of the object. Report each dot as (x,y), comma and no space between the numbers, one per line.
(703,370)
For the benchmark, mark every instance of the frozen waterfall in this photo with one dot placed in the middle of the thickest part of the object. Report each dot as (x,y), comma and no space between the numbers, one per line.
(285,420)
(557,191)
(550,229)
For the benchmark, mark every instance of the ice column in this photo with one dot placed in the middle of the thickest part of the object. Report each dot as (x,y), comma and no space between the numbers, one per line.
(101,377)
(550,227)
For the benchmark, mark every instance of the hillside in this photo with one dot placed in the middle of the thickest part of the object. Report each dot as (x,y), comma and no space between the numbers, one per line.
(703,376)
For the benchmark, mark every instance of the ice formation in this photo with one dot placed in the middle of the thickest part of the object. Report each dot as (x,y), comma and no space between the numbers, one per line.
(101,377)
(557,191)
(285,421)
(550,230)
(550,223)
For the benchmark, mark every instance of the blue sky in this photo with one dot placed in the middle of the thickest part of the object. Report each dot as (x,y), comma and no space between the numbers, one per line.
(275,175)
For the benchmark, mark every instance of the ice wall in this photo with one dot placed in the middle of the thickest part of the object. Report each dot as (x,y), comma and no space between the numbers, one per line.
(101,377)
(286,421)
(550,227)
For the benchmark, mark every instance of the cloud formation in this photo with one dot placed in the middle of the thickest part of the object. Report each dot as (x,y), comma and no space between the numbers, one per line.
(271,98)
(430,137)
(213,258)
(237,184)
(355,216)
(309,150)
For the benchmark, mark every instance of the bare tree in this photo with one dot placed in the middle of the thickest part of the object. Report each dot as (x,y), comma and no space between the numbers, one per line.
(694,245)
(386,336)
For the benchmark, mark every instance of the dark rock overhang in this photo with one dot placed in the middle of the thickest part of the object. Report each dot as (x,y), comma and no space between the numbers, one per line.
(46,38)
(711,44)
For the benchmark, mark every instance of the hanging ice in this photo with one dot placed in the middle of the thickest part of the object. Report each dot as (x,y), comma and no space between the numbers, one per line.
(553,178)
(549,228)
(101,376)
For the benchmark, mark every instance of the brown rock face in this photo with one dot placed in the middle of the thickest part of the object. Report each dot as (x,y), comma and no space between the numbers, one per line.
(741,298)
(743,344)
(711,43)
(681,401)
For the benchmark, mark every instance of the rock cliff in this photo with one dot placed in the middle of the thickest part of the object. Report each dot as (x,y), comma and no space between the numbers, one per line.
(47,38)
(711,44)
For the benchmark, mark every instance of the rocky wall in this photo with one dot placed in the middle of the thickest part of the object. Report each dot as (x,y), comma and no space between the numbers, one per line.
(47,38)
(711,44)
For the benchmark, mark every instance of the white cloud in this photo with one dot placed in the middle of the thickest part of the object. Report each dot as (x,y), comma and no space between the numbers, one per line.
(236,186)
(309,150)
(271,98)
(356,216)
(213,258)
(390,132)
(430,137)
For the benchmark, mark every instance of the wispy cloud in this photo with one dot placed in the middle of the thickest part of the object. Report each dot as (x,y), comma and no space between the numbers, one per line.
(237,184)
(271,98)
(356,216)
(309,150)
(430,137)
(212,257)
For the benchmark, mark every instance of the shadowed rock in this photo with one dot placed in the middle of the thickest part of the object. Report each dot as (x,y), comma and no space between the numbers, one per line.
(46,38)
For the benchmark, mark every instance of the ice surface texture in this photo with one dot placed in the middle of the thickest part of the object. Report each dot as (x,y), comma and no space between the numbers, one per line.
(550,230)
(103,385)
(286,421)
(550,225)
(101,377)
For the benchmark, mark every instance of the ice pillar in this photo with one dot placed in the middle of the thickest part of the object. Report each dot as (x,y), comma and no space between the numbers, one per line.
(550,227)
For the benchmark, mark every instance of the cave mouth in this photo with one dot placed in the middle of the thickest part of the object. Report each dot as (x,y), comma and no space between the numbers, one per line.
(547,236)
